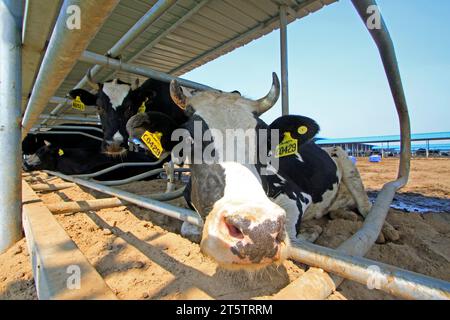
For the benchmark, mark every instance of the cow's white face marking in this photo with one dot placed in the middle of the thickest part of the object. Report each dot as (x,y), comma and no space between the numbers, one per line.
(116,92)
(223,114)
(118,137)
(32,160)
(299,157)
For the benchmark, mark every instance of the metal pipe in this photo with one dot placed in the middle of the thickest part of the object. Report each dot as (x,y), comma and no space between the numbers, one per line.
(164,208)
(120,165)
(143,23)
(156,11)
(284,61)
(361,242)
(135,178)
(68,127)
(10,112)
(94,58)
(64,48)
(390,279)
(163,34)
(95,120)
(67,133)
(98,204)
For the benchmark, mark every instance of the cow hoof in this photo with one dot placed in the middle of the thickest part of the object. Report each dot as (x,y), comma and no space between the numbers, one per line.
(343,214)
(390,233)
(191,232)
(310,233)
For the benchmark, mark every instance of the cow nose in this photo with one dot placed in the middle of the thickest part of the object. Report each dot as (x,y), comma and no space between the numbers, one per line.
(239,227)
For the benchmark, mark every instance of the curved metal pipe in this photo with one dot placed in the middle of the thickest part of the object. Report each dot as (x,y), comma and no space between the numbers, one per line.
(117,166)
(361,242)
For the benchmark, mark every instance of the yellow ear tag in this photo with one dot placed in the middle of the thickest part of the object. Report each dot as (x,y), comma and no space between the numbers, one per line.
(60,152)
(302,129)
(287,147)
(153,142)
(142,108)
(78,104)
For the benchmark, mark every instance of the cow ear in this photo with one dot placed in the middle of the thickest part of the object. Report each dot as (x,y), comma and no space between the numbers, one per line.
(85,96)
(135,85)
(301,128)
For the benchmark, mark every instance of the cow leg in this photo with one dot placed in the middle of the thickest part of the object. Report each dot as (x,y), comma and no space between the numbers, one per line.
(352,181)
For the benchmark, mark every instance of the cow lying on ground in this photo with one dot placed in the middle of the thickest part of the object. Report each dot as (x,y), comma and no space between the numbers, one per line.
(250,206)
(72,161)
(32,142)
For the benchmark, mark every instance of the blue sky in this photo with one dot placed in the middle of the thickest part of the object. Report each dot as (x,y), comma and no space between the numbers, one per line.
(335,73)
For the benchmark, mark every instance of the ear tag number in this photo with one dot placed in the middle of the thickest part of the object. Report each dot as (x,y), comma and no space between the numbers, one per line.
(287,147)
(61,152)
(302,130)
(78,104)
(153,142)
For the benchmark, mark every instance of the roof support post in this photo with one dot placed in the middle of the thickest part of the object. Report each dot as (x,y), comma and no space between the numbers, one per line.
(66,44)
(284,61)
(11,17)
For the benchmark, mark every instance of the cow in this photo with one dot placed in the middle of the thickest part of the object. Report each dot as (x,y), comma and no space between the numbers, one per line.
(74,161)
(33,141)
(118,101)
(253,209)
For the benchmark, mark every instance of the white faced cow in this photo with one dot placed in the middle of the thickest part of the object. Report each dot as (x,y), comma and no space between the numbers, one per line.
(247,212)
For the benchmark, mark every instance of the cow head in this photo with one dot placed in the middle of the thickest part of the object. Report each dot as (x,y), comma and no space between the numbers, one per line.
(43,159)
(243,227)
(116,102)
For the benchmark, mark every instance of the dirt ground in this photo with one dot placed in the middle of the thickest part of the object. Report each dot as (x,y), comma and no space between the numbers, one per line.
(141,256)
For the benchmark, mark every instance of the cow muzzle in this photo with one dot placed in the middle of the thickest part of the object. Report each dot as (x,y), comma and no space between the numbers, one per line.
(246,238)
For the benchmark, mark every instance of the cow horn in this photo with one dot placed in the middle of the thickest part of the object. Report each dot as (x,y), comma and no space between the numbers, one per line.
(271,98)
(90,81)
(177,94)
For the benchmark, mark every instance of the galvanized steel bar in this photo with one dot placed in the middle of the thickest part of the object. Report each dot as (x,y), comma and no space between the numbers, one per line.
(11,18)
(143,23)
(135,178)
(68,127)
(98,204)
(67,133)
(390,279)
(158,9)
(94,58)
(95,120)
(284,61)
(164,208)
(361,242)
(64,48)
(120,165)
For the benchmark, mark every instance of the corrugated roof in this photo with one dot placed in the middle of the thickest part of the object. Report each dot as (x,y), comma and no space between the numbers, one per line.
(189,34)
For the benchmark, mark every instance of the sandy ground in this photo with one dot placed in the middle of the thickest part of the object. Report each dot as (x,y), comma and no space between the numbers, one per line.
(143,257)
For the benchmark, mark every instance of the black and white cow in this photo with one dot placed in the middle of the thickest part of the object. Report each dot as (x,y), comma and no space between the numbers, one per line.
(250,206)
(118,101)
(34,141)
(72,161)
